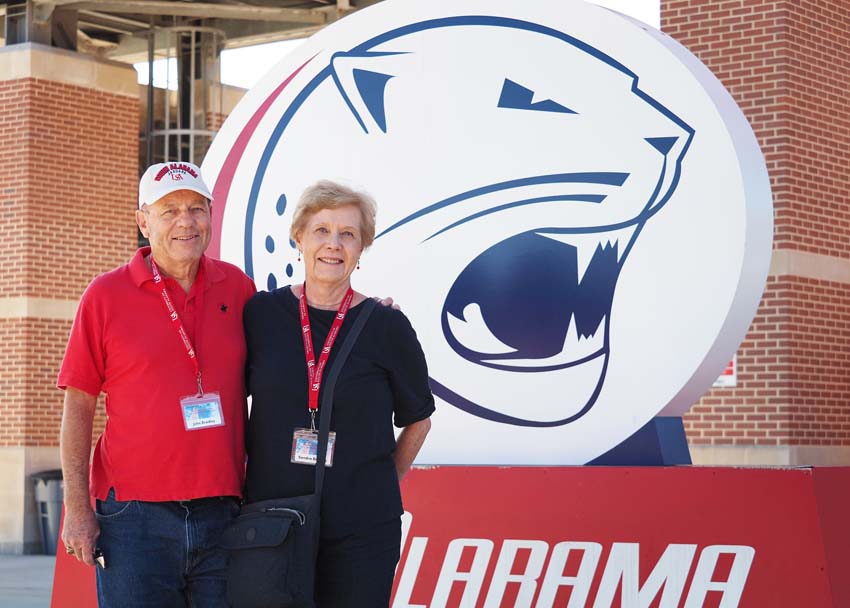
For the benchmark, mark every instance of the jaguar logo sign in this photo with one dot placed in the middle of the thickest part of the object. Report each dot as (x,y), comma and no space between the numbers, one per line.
(572,211)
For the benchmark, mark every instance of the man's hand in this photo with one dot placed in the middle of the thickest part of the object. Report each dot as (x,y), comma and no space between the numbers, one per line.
(387,302)
(80,532)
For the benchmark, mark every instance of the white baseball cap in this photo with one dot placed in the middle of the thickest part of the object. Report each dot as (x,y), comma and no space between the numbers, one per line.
(164,178)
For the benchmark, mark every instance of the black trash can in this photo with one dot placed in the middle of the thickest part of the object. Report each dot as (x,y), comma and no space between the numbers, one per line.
(49,492)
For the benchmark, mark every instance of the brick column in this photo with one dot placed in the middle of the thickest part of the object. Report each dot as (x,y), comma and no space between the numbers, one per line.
(787,64)
(68,178)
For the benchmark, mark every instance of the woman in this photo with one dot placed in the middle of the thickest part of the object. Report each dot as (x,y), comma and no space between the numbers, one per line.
(383,381)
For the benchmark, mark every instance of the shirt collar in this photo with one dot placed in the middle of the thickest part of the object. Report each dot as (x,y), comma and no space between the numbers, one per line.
(208,272)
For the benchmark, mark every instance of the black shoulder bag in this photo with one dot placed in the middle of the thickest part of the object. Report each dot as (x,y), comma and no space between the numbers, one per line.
(273,544)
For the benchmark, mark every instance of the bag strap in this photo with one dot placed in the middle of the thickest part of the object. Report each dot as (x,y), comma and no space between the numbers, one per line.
(328,389)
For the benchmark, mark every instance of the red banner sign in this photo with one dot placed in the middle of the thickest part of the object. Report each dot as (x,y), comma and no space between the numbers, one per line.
(650,537)
(598,537)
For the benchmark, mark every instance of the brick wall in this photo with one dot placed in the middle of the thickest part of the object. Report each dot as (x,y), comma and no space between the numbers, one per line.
(68,179)
(73,154)
(12,382)
(787,64)
(30,405)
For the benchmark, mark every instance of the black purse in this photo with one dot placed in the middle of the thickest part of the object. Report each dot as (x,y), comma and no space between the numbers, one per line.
(273,544)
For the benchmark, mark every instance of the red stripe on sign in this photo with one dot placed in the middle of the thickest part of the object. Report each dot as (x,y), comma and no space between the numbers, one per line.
(221,190)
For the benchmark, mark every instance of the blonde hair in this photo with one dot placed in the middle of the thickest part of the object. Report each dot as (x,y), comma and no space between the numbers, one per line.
(326,194)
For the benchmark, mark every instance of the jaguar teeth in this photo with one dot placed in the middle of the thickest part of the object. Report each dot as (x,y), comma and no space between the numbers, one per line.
(576,347)
(473,333)
(587,244)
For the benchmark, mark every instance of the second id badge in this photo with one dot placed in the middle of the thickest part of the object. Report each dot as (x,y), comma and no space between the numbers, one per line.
(200,412)
(305,447)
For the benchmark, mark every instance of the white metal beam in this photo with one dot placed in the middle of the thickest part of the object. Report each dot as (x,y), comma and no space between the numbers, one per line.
(200,10)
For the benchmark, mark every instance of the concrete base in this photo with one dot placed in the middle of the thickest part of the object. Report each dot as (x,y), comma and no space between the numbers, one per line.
(19,524)
(801,455)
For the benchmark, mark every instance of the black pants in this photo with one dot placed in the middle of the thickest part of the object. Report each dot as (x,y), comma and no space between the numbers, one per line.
(357,571)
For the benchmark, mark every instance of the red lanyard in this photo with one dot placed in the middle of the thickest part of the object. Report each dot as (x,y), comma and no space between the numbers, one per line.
(314,372)
(177,323)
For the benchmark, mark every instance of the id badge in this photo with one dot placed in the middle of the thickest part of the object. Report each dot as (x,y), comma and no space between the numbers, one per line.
(305,447)
(202,412)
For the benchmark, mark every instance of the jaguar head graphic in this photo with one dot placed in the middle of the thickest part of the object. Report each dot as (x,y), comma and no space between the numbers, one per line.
(510,196)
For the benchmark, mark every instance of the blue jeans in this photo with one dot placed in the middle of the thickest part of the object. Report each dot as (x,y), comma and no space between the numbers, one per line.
(163,554)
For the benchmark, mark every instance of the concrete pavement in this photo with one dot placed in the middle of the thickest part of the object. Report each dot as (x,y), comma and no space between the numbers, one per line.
(26,581)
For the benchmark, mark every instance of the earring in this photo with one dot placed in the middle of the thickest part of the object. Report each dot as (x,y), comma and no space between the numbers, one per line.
(299,255)
(358,263)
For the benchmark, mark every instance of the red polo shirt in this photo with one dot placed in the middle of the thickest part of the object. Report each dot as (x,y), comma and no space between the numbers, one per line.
(124,344)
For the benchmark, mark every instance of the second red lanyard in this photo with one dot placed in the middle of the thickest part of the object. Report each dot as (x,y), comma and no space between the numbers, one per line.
(314,371)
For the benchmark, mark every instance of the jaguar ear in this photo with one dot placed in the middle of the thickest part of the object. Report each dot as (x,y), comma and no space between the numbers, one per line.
(362,80)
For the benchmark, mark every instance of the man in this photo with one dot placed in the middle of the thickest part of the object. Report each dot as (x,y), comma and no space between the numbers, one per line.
(162,337)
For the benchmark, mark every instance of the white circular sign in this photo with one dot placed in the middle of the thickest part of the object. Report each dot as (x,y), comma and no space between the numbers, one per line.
(573,212)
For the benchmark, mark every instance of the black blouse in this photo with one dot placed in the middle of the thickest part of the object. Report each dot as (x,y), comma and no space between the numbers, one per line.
(384,380)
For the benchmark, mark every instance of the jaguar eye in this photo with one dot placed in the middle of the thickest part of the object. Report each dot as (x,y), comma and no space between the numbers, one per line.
(371,86)
(514,96)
